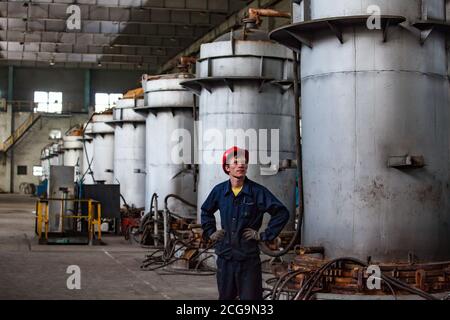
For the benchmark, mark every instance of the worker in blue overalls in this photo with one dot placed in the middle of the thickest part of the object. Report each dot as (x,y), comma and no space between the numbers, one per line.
(242,204)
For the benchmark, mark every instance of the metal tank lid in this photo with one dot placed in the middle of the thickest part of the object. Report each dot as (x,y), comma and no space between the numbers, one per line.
(164,92)
(259,58)
(245,34)
(125,110)
(184,65)
(102,117)
(73,138)
(180,75)
(100,123)
(75,131)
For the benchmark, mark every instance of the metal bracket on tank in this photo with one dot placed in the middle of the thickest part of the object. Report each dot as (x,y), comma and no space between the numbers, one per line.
(232,42)
(406,162)
(302,39)
(427,27)
(385,27)
(229,84)
(273,169)
(197,85)
(336,30)
(187,169)
(262,84)
(285,85)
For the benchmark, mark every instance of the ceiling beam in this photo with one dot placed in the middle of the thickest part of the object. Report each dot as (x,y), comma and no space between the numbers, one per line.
(145,67)
(85,23)
(211,6)
(94,40)
(93,56)
(133,31)
(51,48)
(74,36)
(91,45)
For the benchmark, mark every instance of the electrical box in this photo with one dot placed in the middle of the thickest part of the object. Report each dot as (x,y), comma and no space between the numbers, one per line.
(108,195)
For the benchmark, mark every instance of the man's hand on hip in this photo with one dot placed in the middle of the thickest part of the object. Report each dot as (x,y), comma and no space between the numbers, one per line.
(250,234)
(218,235)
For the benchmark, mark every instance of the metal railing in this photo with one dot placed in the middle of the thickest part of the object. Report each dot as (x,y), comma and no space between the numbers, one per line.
(19,132)
(93,217)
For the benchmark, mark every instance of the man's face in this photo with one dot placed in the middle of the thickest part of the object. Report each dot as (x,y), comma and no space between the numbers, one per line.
(237,167)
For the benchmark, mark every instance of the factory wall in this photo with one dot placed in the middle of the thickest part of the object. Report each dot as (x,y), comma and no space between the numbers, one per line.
(5,130)
(27,151)
(114,81)
(3,82)
(69,81)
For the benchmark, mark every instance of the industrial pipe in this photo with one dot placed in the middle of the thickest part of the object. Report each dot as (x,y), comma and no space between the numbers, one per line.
(185,63)
(256,14)
(83,132)
(178,198)
(155,216)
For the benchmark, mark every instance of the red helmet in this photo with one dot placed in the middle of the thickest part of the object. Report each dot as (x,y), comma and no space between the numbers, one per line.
(233,151)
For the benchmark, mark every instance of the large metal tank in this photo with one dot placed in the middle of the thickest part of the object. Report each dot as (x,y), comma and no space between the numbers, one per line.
(103,158)
(375,108)
(45,162)
(56,154)
(129,151)
(170,110)
(73,151)
(88,154)
(245,83)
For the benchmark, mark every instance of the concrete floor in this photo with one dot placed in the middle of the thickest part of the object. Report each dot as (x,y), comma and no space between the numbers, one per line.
(32,271)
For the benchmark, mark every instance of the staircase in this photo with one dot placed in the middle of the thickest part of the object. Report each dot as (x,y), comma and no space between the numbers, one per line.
(19,133)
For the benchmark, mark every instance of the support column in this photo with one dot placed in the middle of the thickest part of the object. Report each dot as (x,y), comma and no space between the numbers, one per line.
(87,90)
(10,156)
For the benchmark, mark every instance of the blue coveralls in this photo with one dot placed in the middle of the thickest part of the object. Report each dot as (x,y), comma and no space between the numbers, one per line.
(238,262)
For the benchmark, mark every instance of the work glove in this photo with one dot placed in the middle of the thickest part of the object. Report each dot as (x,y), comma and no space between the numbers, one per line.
(250,234)
(218,235)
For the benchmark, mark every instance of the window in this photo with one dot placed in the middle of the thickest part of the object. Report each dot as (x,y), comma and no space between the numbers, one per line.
(49,102)
(21,170)
(37,171)
(105,101)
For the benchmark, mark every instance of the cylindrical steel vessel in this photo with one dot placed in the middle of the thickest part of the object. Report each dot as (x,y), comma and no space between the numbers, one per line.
(60,151)
(55,154)
(103,158)
(374,107)
(169,129)
(129,151)
(245,85)
(45,162)
(73,152)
